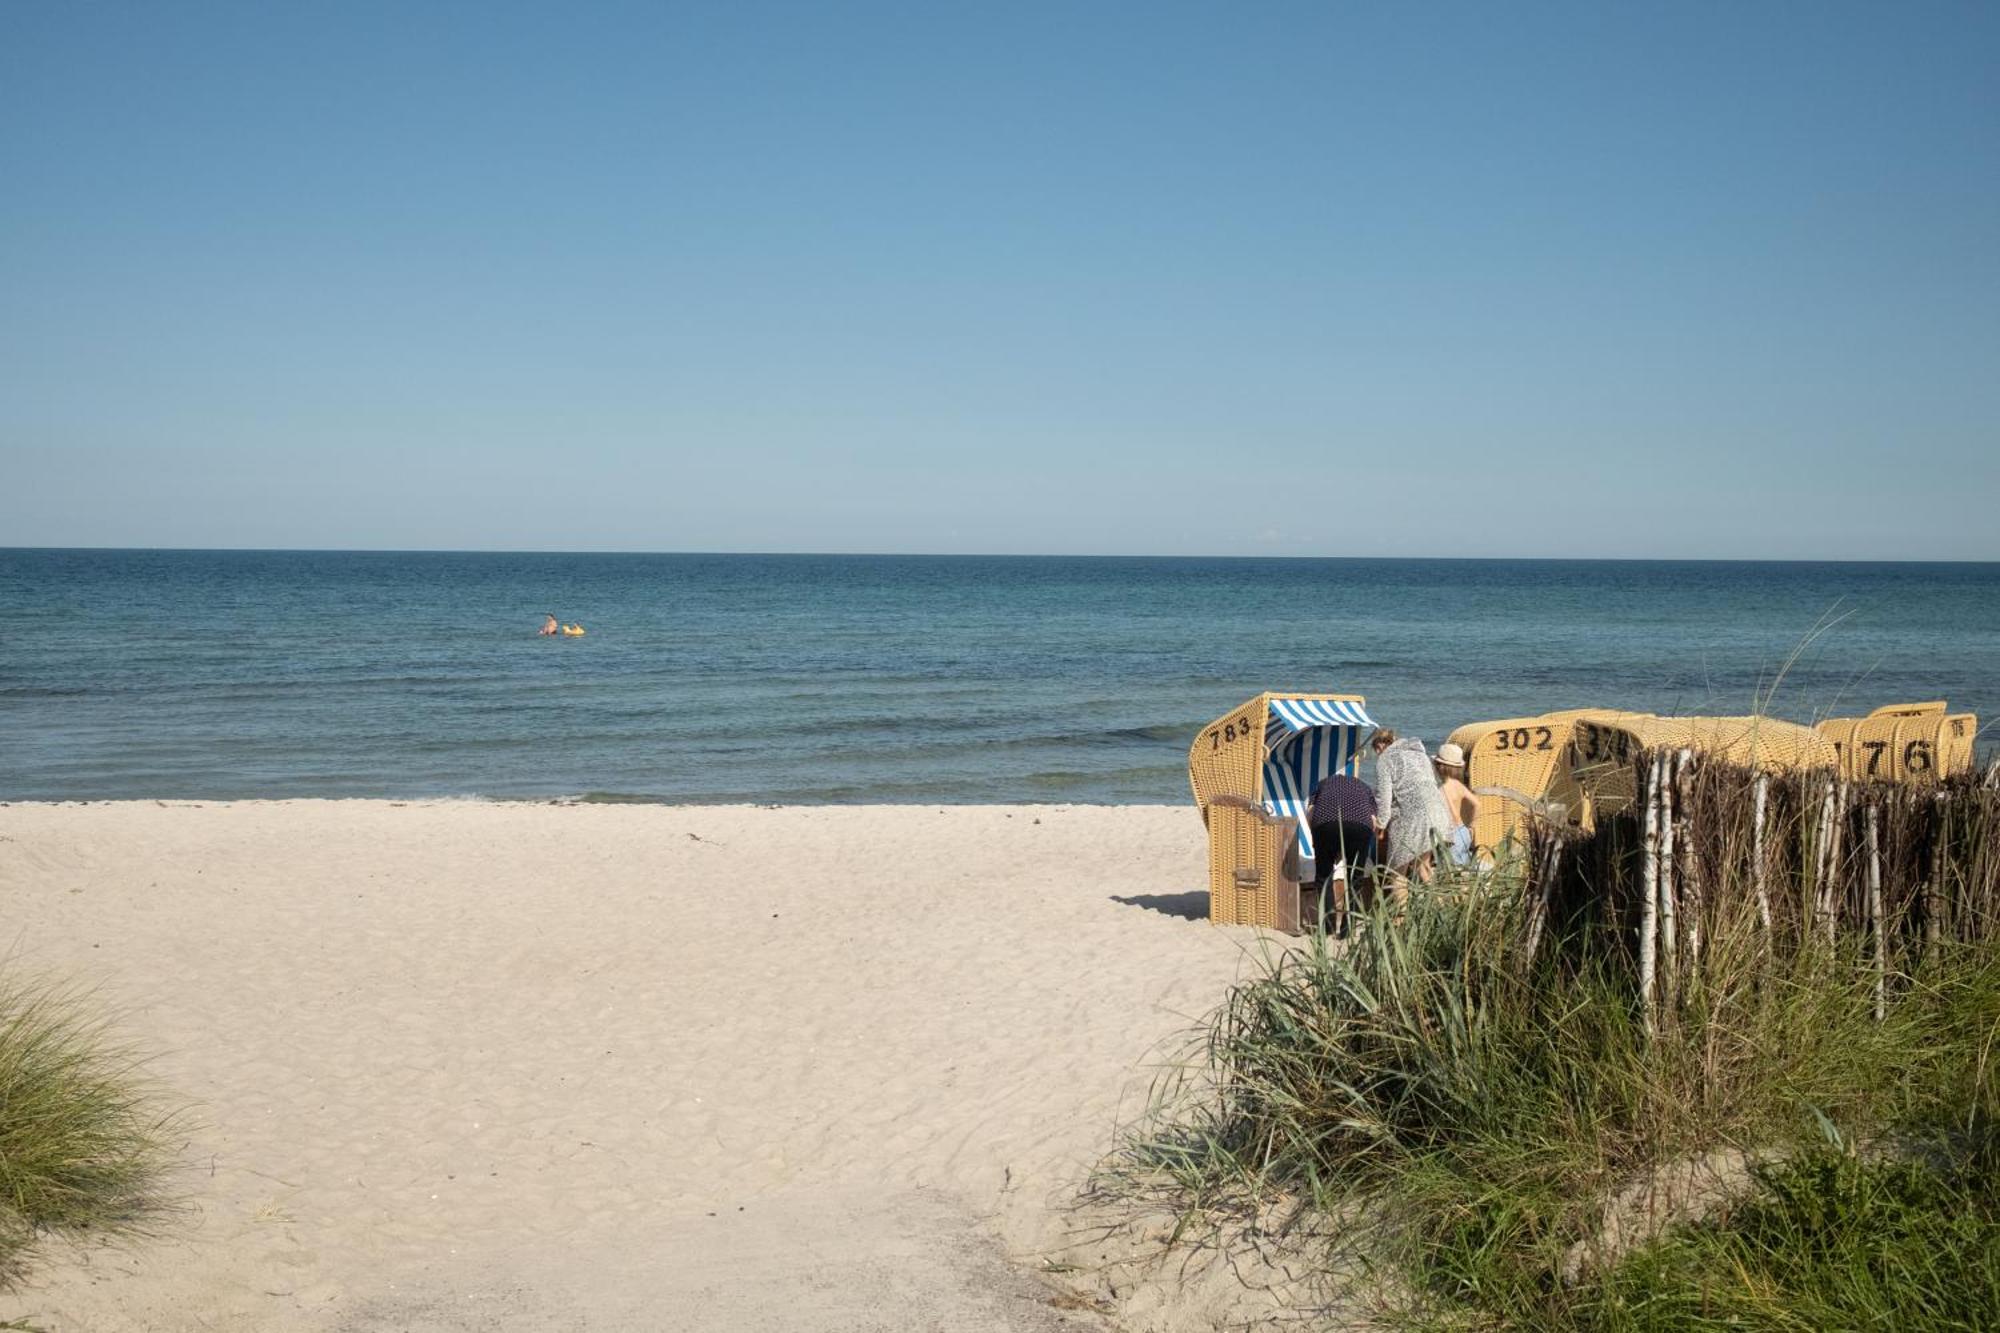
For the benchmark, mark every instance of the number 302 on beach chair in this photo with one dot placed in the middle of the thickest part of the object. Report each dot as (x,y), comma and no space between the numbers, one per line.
(1253,772)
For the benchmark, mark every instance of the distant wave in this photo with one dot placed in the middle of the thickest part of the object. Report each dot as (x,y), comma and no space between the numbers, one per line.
(1182,733)
(1096,777)
(902,724)
(944,791)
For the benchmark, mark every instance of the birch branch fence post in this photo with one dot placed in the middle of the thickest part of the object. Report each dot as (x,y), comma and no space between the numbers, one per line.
(1933,888)
(1687,871)
(1650,887)
(1539,912)
(1670,944)
(1827,858)
(1875,921)
(1758,870)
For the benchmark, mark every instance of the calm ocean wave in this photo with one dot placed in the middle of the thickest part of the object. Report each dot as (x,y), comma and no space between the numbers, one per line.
(921,679)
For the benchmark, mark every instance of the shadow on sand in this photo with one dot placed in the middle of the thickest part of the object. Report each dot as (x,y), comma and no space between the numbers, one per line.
(1188,906)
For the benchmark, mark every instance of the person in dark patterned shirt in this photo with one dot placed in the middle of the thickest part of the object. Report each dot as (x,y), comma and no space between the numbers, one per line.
(1342,817)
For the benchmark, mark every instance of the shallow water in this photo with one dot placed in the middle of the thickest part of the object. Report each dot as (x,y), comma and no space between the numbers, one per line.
(885,678)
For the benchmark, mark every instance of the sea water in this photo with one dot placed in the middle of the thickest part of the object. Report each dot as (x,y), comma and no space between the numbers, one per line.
(927,679)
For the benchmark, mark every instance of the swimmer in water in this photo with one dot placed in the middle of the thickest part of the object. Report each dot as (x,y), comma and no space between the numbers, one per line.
(550,626)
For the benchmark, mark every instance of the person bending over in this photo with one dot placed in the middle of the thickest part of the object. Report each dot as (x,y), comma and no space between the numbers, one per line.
(1342,818)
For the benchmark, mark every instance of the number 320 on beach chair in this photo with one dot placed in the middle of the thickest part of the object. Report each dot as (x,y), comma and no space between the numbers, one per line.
(1253,772)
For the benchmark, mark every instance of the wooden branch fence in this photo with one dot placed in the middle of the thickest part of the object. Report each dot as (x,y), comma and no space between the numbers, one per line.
(1716,865)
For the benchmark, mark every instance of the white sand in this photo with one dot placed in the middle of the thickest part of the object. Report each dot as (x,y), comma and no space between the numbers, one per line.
(456,1065)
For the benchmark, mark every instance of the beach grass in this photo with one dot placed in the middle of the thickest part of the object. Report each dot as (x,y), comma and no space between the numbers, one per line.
(1829,1239)
(84,1142)
(1521,1153)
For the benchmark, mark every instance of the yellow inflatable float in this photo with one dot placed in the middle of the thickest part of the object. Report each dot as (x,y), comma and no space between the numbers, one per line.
(573,631)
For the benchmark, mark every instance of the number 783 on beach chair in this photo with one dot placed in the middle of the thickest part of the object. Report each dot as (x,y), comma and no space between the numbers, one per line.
(1253,772)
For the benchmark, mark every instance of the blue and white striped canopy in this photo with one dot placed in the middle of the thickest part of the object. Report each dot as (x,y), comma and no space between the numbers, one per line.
(1296,715)
(1309,740)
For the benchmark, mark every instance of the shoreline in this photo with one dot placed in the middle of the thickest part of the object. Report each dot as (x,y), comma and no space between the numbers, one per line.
(564,802)
(621,1065)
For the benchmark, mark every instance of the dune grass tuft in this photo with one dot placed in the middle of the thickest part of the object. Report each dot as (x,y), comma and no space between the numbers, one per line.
(84,1146)
(1829,1240)
(1484,1110)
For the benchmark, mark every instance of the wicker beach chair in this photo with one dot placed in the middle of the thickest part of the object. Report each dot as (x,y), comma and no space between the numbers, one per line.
(1253,772)
(1917,743)
(1520,765)
(1602,750)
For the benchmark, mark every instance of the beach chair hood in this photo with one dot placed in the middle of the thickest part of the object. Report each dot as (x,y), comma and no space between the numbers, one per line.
(1275,749)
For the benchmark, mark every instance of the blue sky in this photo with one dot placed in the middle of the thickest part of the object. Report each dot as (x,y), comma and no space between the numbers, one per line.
(1584,280)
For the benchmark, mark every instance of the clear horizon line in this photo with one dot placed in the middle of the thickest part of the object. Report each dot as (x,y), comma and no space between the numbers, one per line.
(1011,555)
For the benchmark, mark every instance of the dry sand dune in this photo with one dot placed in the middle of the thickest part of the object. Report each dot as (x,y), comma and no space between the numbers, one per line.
(458,1065)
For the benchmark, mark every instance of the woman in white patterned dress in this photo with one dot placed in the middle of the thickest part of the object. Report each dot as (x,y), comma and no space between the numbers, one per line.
(1408,806)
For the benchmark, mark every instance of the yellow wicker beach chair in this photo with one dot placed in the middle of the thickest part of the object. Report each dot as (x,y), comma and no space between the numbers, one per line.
(1253,771)
(1253,866)
(1918,742)
(1603,749)
(1528,756)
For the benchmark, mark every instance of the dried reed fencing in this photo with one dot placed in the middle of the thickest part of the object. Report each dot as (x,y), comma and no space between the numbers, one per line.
(1717,870)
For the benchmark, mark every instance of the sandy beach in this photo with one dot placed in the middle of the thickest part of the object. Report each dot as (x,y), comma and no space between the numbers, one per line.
(466,1065)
